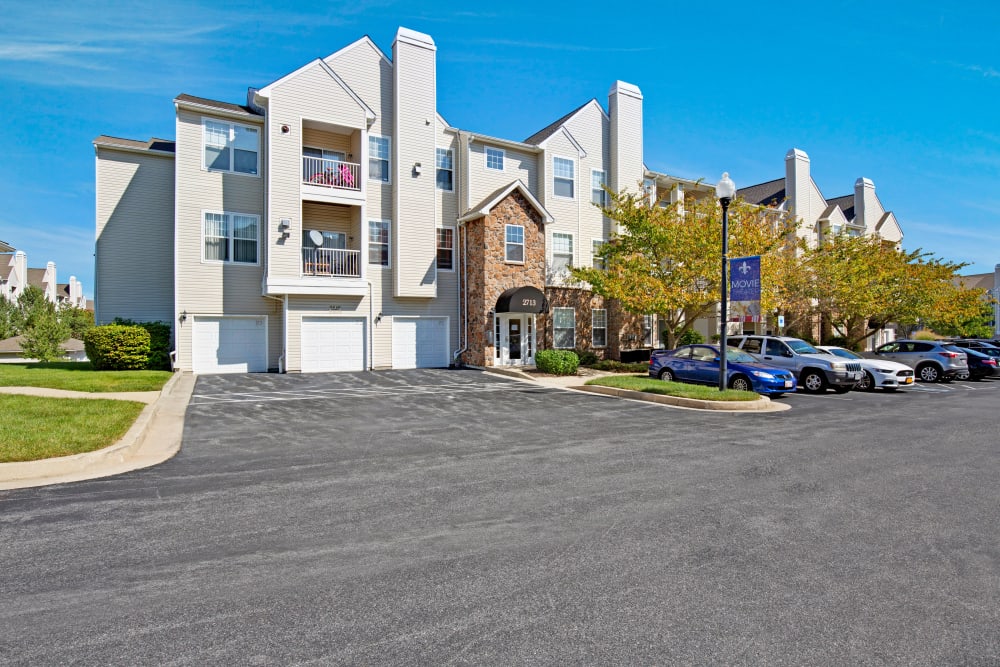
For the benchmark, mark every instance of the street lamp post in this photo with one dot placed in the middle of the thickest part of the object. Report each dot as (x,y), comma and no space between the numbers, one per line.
(724,191)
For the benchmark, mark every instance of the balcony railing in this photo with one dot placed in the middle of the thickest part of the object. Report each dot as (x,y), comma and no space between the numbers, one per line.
(331,262)
(331,173)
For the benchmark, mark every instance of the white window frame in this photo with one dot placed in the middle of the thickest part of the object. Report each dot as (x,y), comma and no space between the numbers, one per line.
(230,146)
(569,255)
(555,338)
(388,244)
(555,177)
(600,191)
(441,247)
(594,327)
(486,158)
(506,243)
(387,158)
(649,324)
(595,261)
(230,237)
(438,168)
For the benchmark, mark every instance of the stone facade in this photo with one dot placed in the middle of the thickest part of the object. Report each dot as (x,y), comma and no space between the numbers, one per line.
(489,274)
(624,329)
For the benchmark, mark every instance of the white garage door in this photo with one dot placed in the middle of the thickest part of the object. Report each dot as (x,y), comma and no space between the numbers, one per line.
(229,345)
(419,342)
(333,344)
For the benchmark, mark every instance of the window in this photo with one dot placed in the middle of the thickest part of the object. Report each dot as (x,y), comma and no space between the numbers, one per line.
(445,248)
(445,169)
(564,328)
(753,345)
(378,242)
(514,251)
(494,158)
(331,240)
(230,147)
(562,177)
(599,327)
(230,237)
(774,348)
(378,158)
(562,253)
(598,195)
(597,261)
(648,329)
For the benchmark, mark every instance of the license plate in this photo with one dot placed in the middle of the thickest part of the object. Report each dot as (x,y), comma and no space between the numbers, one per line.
(788,383)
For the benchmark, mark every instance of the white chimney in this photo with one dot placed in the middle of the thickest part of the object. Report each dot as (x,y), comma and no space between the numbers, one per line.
(625,137)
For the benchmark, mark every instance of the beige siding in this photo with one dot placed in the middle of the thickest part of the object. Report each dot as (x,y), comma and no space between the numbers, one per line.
(447,202)
(517,165)
(625,141)
(135,237)
(590,129)
(214,288)
(568,214)
(333,141)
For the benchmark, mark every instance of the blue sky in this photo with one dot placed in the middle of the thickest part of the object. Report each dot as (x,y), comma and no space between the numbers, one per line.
(904,93)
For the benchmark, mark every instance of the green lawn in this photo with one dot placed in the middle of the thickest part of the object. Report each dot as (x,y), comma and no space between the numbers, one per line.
(654,386)
(79,376)
(39,428)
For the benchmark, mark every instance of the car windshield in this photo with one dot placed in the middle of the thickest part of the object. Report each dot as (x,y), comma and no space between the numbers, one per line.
(734,354)
(802,347)
(846,354)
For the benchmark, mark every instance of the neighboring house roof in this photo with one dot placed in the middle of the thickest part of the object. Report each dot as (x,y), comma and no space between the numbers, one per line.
(216,104)
(846,204)
(548,131)
(13,345)
(771,193)
(978,281)
(6,247)
(36,277)
(154,144)
(483,208)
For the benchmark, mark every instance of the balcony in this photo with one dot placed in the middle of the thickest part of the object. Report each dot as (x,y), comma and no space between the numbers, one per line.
(332,262)
(335,174)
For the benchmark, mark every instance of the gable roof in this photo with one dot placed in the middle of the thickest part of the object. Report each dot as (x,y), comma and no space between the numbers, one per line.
(269,88)
(846,204)
(484,207)
(771,193)
(238,109)
(549,130)
(154,144)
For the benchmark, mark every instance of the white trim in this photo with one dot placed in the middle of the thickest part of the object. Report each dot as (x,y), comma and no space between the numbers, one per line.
(369,157)
(267,90)
(486,158)
(229,238)
(231,147)
(454,254)
(451,152)
(239,116)
(569,136)
(602,241)
(389,249)
(562,126)
(364,40)
(133,149)
(572,249)
(488,206)
(524,244)
(554,177)
(604,182)
(572,310)
(593,328)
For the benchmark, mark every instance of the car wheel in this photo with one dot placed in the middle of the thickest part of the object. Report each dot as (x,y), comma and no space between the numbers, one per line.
(667,375)
(813,382)
(928,373)
(867,382)
(741,383)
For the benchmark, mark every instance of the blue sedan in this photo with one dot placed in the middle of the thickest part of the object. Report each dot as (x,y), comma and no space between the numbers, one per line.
(699,364)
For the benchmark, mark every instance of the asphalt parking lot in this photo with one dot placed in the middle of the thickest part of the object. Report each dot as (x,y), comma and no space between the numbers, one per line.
(454,517)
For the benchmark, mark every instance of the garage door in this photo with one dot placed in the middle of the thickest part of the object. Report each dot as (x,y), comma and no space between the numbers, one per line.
(419,342)
(333,344)
(229,345)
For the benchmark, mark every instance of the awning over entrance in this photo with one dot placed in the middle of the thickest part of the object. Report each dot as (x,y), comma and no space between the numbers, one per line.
(525,299)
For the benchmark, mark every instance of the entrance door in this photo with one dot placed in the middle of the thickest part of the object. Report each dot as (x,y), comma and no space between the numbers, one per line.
(516,339)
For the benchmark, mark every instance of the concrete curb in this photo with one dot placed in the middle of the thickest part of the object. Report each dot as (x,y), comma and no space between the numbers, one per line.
(762,404)
(153,438)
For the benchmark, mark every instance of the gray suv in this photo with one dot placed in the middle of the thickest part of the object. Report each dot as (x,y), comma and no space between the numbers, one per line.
(930,360)
(815,370)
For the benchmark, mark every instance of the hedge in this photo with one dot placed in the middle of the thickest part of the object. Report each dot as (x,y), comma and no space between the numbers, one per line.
(116,347)
(557,362)
(159,342)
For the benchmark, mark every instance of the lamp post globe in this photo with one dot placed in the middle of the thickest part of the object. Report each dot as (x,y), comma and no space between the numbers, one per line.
(725,190)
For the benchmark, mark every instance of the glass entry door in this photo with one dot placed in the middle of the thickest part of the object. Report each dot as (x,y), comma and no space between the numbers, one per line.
(515,339)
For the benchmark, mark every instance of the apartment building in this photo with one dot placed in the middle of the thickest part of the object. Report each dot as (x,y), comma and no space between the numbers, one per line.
(19,276)
(336,222)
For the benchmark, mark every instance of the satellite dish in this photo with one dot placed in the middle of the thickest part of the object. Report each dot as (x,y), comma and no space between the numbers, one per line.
(316,237)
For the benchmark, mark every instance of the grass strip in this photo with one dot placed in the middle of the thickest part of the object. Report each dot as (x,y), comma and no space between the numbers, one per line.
(80,376)
(35,428)
(653,386)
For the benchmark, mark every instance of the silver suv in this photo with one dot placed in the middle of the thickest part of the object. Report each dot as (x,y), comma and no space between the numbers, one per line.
(931,361)
(815,370)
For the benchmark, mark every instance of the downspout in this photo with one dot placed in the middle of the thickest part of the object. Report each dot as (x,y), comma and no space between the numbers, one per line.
(371,326)
(463,273)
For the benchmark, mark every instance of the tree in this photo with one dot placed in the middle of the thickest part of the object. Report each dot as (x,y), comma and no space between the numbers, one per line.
(10,319)
(44,338)
(77,319)
(962,313)
(667,260)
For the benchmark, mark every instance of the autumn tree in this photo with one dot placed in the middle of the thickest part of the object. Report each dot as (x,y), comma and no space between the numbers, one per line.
(667,260)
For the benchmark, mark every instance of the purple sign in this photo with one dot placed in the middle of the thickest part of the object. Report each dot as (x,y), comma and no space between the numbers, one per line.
(744,288)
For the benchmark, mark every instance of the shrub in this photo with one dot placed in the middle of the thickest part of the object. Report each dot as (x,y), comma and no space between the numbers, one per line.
(43,340)
(557,362)
(838,341)
(690,337)
(620,367)
(925,335)
(115,347)
(587,358)
(159,343)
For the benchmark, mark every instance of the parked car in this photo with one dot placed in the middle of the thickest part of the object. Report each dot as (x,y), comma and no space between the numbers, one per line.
(977,345)
(931,360)
(814,370)
(981,365)
(878,373)
(699,364)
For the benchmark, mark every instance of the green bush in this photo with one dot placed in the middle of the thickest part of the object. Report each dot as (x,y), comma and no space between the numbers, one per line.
(924,335)
(838,341)
(613,366)
(587,358)
(114,347)
(557,362)
(159,343)
(690,337)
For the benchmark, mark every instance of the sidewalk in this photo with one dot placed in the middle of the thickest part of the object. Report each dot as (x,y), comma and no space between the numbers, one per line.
(153,438)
